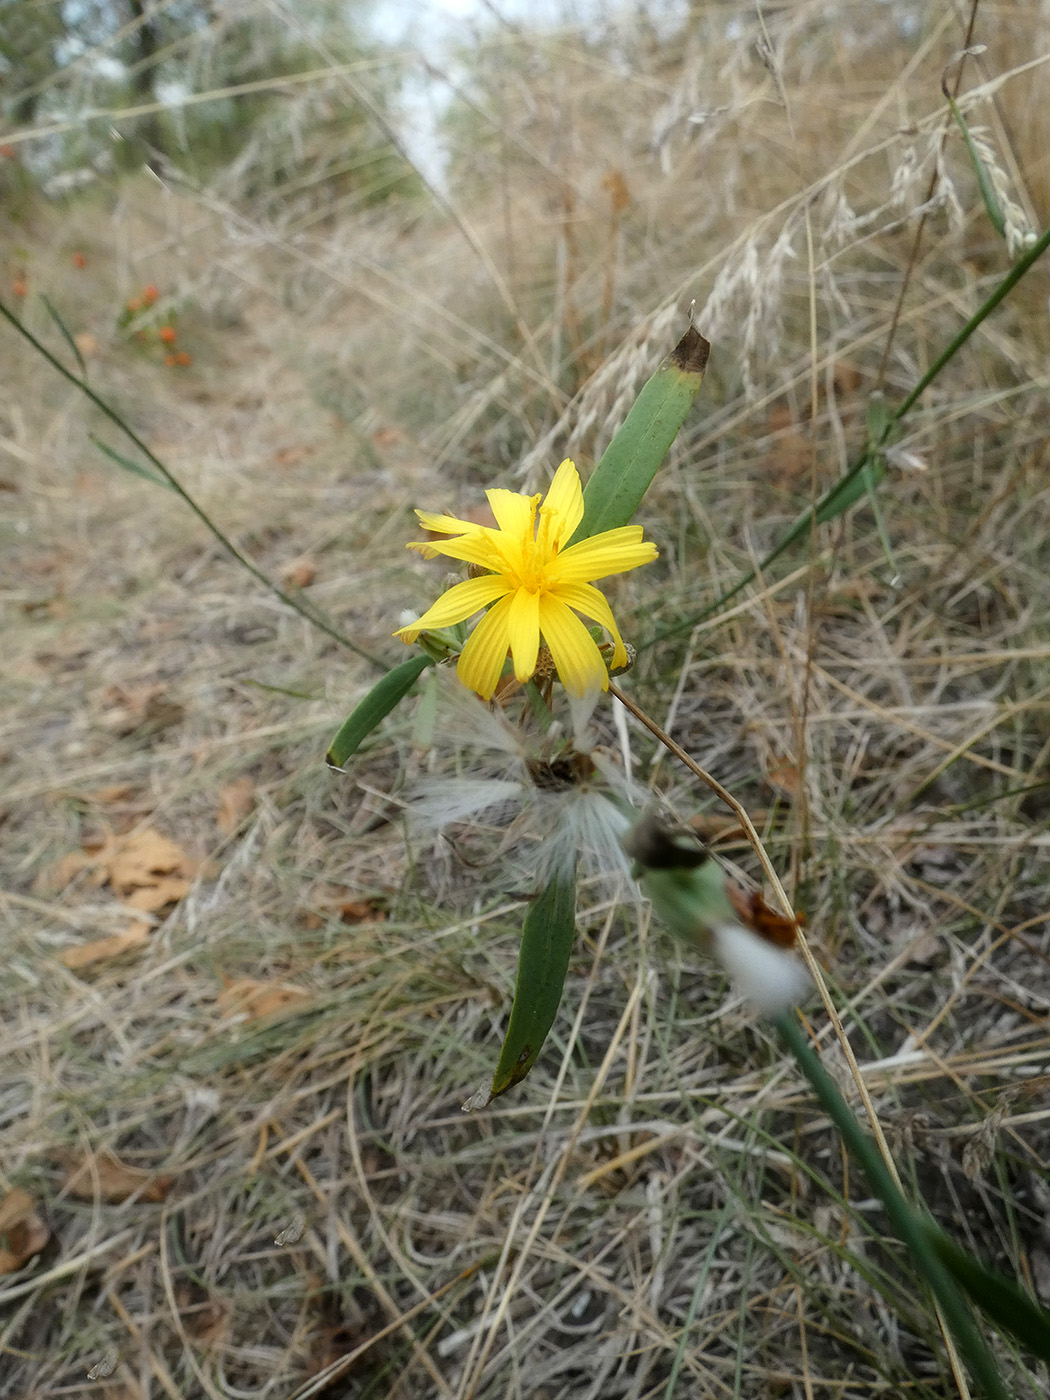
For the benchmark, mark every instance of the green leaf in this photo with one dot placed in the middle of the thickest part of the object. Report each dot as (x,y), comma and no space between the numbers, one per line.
(632,459)
(66,333)
(998,1297)
(992,206)
(376,705)
(129,465)
(546,945)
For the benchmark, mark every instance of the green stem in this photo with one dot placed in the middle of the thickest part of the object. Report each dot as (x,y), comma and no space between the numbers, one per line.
(315,618)
(826,509)
(909,1222)
(1020,267)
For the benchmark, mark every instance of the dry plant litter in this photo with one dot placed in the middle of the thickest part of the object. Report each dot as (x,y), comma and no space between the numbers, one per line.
(233,1144)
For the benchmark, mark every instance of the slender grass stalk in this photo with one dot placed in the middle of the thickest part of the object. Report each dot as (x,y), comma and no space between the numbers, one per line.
(854,484)
(305,611)
(909,1222)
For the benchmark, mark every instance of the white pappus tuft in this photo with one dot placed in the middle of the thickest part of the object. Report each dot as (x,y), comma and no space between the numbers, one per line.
(772,978)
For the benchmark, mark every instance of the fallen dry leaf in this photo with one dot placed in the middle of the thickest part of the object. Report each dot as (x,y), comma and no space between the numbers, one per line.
(102,949)
(59,873)
(247,997)
(300,574)
(236,800)
(331,900)
(387,437)
(141,859)
(289,456)
(205,1319)
(151,899)
(146,709)
(22,1232)
(104,1177)
(106,796)
(86,343)
(147,870)
(785,777)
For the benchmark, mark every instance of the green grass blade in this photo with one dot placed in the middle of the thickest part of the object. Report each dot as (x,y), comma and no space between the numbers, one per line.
(546,945)
(129,465)
(856,483)
(632,459)
(992,206)
(912,1225)
(66,333)
(998,1297)
(376,705)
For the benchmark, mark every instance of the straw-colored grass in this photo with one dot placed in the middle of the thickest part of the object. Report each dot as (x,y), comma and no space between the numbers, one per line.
(659,1209)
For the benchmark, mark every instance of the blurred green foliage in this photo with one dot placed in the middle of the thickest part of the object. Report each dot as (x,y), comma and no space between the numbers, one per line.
(202,89)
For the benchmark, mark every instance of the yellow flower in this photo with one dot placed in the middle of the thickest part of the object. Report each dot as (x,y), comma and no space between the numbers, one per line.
(533,586)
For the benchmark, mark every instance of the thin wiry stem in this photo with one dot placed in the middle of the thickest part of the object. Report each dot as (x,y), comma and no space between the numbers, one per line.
(312,616)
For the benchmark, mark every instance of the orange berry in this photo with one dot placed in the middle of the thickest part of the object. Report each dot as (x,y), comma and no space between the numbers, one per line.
(167,334)
(169,360)
(150,293)
(135,304)
(182,357)
(18,287)
(8,151)
(79,260)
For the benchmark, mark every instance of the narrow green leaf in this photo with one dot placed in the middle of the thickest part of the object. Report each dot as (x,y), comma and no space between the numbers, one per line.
(546,945)
(992,206)
(376,705)
(858,482)
(998,1297)
(129,466)
(912,1224)
(632,459)
(66,333)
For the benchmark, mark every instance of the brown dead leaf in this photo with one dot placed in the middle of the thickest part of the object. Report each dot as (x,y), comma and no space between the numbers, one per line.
(252,999)
(236,800)
(142,859)
(103,1176)
(300,574)
(107,796)
(22,1231)
(86,343)
(615,187)
(332,901)
(361,911)
(59,873)
(146,709)
(151,899)
(387,437)
(147,870)
(206,1320)
(847,378)
(785,777)
(289,456)
(103,949)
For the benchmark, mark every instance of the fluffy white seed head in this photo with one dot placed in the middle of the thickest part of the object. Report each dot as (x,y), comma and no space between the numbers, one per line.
(772,978)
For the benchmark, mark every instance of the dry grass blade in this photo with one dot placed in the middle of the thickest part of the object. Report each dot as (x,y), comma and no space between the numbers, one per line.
(287,1043)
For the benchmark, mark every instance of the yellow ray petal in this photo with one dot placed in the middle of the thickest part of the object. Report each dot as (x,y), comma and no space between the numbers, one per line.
(575,652)
(515,514)
(483,656)
(523,632)
(611,552)
(459,603)
(446,524)
(565,501)
(482,549)
(585,598)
